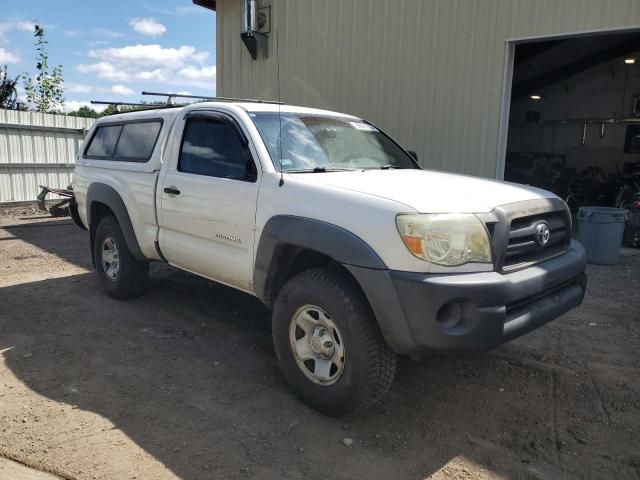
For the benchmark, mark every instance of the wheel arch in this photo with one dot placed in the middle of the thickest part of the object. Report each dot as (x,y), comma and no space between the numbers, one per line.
(103,200)
(290,244)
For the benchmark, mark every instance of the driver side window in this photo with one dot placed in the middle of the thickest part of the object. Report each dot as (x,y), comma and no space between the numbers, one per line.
(211,147)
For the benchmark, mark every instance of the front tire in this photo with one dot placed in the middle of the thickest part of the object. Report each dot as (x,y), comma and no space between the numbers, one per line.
(328,344)
(121,275)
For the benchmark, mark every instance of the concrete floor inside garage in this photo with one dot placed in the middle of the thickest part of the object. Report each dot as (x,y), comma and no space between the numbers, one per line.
(183,383)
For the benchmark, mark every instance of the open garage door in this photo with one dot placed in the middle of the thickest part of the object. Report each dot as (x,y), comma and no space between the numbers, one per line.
(574,125)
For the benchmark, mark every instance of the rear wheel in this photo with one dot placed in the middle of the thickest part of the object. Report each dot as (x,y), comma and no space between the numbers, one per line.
(329,347)
(121,275)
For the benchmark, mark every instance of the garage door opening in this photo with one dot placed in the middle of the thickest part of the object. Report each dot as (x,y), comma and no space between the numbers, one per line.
(574,125)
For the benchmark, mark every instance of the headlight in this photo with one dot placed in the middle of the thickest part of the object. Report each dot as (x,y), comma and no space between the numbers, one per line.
(450,239)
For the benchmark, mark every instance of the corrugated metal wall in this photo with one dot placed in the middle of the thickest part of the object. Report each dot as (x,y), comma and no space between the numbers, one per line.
(430,72)
(37,149)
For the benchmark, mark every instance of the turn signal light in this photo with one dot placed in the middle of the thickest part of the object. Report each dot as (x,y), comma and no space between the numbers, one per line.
(414,244)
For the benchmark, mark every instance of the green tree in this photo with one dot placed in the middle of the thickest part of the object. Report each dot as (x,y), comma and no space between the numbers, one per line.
(8,92)
(85,112)
(112,109)
(44,93)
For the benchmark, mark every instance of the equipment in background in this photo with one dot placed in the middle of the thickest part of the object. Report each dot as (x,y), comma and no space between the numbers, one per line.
(582,188)
(60,209)
(632,228)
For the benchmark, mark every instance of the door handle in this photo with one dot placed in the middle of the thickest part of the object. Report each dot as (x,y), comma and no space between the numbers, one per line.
(172,190)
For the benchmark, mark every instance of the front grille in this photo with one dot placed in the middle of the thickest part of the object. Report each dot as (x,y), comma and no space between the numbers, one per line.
(522,247)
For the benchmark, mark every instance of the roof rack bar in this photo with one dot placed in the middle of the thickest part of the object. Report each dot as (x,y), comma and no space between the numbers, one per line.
(172,96)
(117,104)
(143,106)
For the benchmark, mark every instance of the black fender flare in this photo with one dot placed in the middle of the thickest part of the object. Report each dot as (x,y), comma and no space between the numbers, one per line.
(331,240)
(99,192)
(346,248)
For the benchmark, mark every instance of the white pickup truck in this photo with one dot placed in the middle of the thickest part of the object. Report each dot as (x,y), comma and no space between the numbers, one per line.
(360,254)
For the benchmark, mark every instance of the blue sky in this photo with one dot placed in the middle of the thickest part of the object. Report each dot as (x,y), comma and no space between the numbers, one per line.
(113,50)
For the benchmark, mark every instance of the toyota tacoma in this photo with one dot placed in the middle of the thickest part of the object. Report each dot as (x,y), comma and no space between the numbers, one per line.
(360,254)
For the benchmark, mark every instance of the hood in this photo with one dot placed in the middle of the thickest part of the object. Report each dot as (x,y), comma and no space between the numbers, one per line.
(429,191)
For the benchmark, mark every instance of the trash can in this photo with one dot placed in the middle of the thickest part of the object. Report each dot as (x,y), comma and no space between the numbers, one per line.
(600,231)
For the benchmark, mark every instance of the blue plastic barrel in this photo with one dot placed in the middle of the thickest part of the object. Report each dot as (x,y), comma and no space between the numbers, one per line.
(600,230)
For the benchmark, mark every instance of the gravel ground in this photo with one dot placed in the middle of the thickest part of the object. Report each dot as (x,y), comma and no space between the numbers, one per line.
(183,383)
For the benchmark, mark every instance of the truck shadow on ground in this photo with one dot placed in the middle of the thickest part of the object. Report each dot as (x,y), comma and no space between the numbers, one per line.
(47,235)
(189,374)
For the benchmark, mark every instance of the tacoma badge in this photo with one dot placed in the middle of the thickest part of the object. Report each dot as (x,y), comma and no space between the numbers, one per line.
(543,234)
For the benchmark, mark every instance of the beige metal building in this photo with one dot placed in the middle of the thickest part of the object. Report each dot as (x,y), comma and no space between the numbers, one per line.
(435,74)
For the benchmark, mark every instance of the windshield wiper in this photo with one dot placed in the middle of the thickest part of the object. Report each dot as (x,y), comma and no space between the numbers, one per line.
(388,167)
(319,170)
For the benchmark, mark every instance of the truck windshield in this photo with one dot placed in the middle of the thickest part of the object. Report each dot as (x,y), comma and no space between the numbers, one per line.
(318,143)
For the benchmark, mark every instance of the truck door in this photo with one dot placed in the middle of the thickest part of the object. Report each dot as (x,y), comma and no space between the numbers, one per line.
(207,199)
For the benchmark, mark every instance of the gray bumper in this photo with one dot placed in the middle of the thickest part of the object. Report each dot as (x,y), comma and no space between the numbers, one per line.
(419,312)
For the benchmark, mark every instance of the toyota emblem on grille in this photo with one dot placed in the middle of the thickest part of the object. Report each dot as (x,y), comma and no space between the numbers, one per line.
(543,234)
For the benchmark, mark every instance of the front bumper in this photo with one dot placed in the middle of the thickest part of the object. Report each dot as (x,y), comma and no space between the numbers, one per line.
(476,311)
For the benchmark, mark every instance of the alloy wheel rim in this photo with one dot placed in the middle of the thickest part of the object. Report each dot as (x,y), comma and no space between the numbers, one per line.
(317,345)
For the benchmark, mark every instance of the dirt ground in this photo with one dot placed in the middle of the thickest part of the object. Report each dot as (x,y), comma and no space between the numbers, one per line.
(183,383)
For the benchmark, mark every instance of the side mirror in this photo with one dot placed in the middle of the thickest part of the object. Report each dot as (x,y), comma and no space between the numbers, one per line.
(413,154)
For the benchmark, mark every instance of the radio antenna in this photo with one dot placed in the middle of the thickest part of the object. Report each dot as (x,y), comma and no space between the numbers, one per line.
(279,112)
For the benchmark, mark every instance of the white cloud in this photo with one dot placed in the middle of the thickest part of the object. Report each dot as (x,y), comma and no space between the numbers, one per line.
(71,33)
(8,57)
(205,86)
(105,70)
(183,66)
(77,88)
(148,26)
(194,73)
(71,105)
(26,26)
(151,55)
(6,27)
(157,75)
(122,90)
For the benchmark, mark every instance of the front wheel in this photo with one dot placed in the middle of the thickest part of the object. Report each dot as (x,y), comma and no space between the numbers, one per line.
(328,344)
(121,275)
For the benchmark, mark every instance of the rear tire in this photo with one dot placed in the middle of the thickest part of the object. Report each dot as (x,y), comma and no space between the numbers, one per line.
(121,275)
(327,304)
